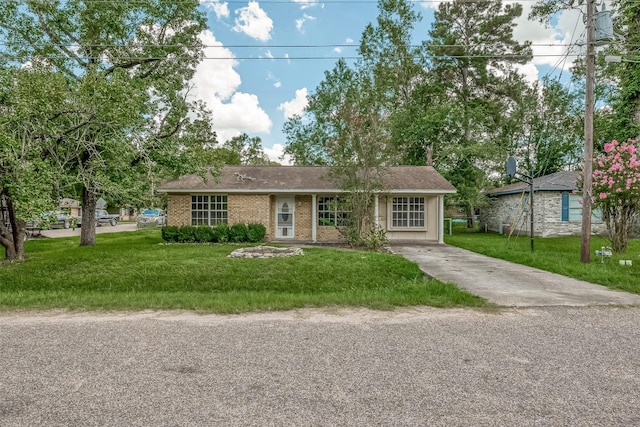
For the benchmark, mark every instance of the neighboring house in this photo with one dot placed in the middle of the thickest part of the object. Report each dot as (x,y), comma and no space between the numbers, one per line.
(298,202)
(73,207)
(557,210)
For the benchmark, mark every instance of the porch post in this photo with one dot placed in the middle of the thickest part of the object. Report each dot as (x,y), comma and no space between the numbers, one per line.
(376,210)
(441,219)
(314,219)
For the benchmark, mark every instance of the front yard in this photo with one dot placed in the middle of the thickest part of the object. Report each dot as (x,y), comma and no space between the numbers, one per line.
(135,271)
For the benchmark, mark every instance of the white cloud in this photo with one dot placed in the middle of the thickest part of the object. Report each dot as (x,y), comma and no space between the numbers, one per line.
(268,54)
(349,40)
(305,4)
(529,71)
(296,106)
(337,49)
(254,22)
(271,77)
(300,22)
(220,9)
(216,82)
(276,152)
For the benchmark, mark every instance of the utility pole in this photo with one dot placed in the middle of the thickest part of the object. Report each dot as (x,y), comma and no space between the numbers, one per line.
(585,247)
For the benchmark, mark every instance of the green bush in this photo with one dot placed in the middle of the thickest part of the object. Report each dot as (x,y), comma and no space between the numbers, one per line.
(170,233)
(187,234)
(204,234)
(238,233)
(256,233)
(220,233)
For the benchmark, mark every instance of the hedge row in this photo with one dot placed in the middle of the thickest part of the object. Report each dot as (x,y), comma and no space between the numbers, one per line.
(220,233)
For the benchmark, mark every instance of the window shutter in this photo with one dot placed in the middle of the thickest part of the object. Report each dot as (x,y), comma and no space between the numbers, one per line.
(565,206)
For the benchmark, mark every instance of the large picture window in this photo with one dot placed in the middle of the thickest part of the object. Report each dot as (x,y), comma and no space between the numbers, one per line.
(572,209)
(407,212)
(208,210)
(331,212)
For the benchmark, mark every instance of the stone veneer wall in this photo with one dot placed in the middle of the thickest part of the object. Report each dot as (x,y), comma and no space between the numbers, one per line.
(547,215)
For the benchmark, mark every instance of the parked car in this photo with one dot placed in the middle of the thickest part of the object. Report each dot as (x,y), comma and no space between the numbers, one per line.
(151,218)
(103,217)
(50,219)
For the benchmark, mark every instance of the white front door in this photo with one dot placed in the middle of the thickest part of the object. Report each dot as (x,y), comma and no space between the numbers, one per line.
(285,207)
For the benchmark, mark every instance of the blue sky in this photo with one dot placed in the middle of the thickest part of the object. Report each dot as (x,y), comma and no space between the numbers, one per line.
(254,75)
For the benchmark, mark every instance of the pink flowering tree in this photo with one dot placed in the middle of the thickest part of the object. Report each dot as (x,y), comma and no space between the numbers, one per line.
(616,189)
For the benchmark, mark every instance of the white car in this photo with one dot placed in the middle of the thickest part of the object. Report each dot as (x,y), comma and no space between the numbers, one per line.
(151,218)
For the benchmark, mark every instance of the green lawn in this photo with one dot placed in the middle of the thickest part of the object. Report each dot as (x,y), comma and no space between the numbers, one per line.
(559,255)
(135,271)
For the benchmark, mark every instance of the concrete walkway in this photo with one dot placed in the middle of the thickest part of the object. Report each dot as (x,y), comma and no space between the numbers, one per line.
(505,283)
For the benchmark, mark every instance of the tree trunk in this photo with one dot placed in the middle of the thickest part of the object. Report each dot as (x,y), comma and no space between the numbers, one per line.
(13,241)
(88,229)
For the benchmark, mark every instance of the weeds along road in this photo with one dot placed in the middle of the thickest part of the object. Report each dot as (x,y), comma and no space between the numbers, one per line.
(315,367)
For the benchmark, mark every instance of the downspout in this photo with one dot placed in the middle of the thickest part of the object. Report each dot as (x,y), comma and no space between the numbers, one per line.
(314,220)
(376,211)
(441,219)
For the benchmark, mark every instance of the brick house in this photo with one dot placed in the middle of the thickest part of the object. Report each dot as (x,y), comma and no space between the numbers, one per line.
(557,211)
(298,202)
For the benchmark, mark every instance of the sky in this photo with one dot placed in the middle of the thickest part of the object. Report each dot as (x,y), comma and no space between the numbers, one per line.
(262,59)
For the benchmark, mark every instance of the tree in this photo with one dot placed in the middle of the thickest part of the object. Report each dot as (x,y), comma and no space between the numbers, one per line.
(28,128)
(126,65)
(345,129)
(626,100)
(616,189)
(545,128)
(249,150)
(472,54)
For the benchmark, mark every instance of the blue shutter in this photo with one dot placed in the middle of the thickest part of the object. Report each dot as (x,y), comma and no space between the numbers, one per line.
(565,206)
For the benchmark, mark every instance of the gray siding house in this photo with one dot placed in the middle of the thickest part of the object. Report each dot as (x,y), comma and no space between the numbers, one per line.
(557,211)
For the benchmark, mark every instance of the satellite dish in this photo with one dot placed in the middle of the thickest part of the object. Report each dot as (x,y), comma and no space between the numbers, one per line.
(511,167)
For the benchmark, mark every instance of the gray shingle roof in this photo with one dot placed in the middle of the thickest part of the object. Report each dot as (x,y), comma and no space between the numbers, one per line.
(301,179)
(559,181)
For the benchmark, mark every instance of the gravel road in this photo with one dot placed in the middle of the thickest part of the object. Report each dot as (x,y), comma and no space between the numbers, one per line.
(550,366)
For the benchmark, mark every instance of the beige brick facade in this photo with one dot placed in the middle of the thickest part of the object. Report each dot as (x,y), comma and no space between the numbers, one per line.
(261,208)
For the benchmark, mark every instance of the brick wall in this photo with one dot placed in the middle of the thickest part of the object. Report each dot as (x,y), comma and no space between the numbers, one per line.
(303,218)
(179,209)
(250,208)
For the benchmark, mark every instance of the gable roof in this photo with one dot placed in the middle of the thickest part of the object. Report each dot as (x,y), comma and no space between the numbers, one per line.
(559,181)
(304,179)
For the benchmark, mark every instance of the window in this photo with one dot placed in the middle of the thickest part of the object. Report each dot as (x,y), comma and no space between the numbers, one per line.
(208,210)
(572,209)
(407,212)
(331,212)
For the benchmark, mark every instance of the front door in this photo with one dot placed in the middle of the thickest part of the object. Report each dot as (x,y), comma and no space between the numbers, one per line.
(285,218)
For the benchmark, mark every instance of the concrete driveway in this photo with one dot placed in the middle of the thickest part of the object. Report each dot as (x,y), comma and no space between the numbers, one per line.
(506,283)
(106,228)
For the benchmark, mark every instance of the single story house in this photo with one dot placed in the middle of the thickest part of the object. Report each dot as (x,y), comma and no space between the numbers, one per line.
(557,210)
(298,202)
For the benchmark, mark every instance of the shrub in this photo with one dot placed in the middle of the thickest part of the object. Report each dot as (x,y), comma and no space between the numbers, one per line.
(220,233)
(256,232)
(238,233)
(187,234)
(204,234)
(170,233)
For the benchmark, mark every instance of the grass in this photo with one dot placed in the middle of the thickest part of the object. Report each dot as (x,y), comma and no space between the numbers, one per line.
(134,271)
(559,255)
